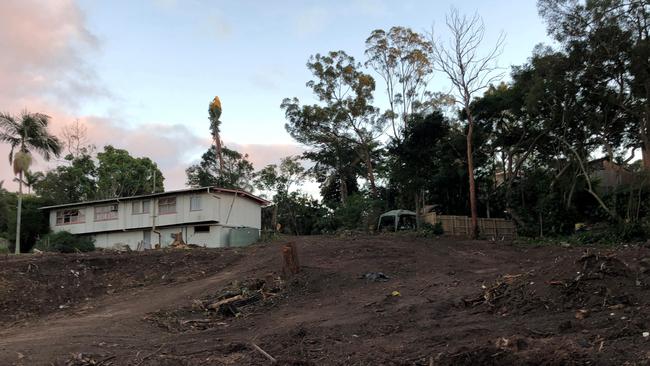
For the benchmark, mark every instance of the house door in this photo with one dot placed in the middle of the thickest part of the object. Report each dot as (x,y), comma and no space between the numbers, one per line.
(146,239)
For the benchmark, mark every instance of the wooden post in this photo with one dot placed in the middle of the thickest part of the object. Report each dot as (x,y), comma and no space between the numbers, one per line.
(291,266)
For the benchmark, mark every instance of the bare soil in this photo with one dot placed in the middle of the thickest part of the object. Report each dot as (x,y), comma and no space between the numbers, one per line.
(441,302)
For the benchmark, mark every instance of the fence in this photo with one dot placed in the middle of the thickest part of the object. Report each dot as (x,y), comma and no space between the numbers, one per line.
(496,229)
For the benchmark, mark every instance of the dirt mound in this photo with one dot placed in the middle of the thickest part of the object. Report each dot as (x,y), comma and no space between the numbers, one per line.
(549,306)
(33,285)
(600,282)
(507,353)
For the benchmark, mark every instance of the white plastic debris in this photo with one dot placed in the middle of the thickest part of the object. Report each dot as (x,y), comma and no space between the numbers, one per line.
(646,334)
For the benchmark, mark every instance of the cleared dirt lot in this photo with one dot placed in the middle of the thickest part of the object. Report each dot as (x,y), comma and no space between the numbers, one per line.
(444,303)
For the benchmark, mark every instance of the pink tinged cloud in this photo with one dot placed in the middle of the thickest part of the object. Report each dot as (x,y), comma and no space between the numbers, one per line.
(44,44)
(43,68)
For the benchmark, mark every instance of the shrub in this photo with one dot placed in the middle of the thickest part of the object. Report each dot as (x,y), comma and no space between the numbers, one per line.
(65,242)
(428,230)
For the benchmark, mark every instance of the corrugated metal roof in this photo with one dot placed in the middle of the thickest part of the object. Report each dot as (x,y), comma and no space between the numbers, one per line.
(248,195)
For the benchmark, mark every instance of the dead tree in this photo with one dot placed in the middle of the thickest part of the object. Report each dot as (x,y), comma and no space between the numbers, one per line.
(469,72)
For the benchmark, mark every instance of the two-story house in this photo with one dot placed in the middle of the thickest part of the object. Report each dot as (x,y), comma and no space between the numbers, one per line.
(207,216)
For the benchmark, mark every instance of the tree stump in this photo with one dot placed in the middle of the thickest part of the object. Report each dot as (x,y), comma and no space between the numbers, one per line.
(290,255)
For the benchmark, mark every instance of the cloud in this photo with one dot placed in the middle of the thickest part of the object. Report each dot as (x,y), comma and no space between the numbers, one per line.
(44,46)
(262,155)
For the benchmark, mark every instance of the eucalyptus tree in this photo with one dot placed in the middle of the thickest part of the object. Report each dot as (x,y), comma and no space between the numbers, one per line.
(610,37)
(345,116)
(236,171)
(401,57)
(26,133)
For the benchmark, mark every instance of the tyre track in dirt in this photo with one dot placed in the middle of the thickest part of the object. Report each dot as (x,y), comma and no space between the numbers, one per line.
(114,323)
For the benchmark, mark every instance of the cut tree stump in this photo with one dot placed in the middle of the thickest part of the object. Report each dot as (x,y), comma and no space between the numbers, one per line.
(290,256)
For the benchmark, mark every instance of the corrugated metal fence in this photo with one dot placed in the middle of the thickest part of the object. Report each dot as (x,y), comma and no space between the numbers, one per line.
(496,229)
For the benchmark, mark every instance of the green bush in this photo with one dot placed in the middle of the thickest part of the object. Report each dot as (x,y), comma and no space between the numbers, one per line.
(428,230)
(65,242)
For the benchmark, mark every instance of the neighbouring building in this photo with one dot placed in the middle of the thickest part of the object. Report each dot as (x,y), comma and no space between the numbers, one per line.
(610,175)
(207,216)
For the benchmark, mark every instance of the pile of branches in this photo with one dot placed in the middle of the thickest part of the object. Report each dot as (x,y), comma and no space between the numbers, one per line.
(508,294)
(239,295)
(603,281)
(232,301)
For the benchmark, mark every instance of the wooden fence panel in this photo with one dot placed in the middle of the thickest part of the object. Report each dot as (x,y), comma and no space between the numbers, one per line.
(495,229)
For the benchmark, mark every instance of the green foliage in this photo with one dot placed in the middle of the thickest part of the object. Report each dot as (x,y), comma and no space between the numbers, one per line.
(75,182)
(65,242)
(299,214)
(116,174)
(28,132)
(237,172)
(279,179)
(355,214)
(7,202)
(428,231)
(342,130)
(35,223)
(121,175)
(402,58)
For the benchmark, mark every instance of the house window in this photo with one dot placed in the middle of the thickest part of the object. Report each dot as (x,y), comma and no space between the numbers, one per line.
(140,207)
(167,205)
(108,212)
(202,229)
(195,203)
(65,217)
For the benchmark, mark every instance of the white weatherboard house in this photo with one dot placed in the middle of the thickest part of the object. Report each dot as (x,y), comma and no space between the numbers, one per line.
(208,216)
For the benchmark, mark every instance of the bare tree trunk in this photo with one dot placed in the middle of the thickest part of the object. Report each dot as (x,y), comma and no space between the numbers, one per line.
(19,211)
(217,145)
(470,174)
(469,73)
(645,153)
(343,188)
(610,212)
(274,219)
(417,211)
(371,175)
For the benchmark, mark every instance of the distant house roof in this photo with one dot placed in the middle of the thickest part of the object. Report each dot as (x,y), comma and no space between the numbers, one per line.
(258,200)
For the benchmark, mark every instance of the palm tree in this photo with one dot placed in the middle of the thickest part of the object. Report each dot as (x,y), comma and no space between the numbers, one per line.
(31,179)
(26,133)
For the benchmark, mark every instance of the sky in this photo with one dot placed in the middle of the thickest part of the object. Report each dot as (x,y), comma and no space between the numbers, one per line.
(140,74)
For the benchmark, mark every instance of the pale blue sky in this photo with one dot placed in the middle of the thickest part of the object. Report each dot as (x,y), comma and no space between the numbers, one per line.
(163,61)
(140,73)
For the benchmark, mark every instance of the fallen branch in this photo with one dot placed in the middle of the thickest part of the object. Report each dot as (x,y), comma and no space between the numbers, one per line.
(225,301)
(102,362)
(149,355)
(183,322)
(258,349)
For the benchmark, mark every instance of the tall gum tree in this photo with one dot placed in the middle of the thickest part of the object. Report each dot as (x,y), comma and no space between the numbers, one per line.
(346,114)
(401,57)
